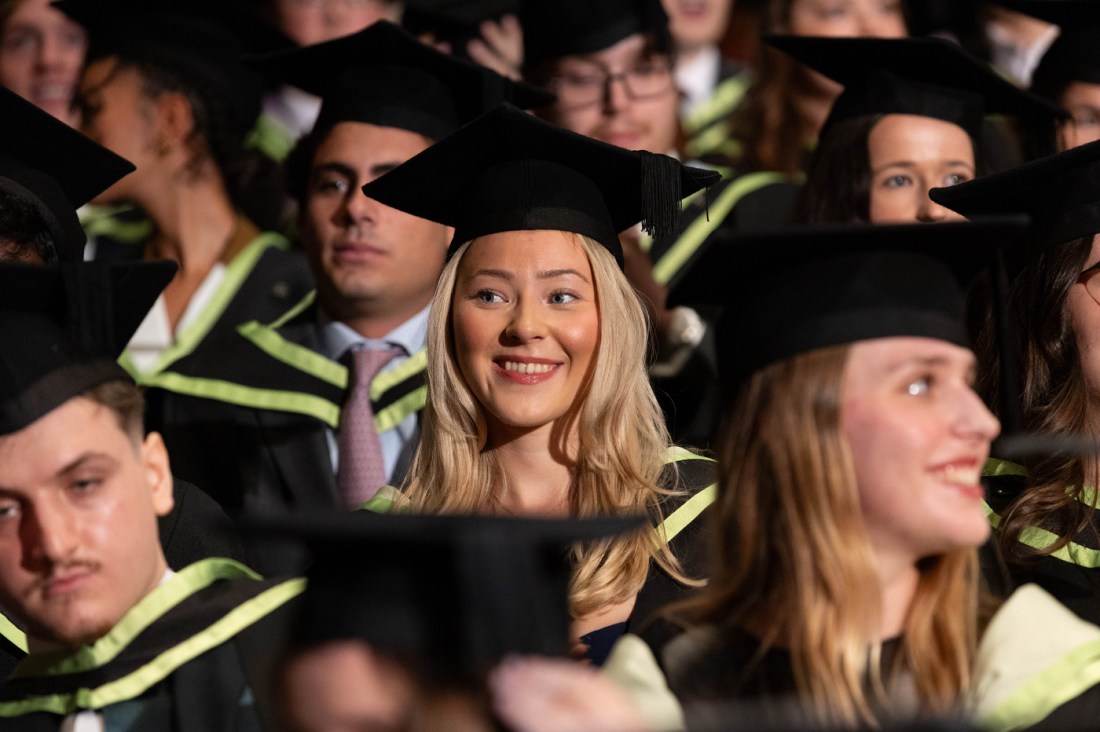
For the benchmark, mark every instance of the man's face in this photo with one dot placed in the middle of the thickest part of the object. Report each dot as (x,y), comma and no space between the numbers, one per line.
(370,261)
(79,500)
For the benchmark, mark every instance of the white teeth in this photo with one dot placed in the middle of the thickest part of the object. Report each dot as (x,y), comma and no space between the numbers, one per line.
(528,368)
(961,476)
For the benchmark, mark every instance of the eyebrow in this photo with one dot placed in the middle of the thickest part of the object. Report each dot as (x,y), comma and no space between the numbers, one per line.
(934,362)
(71,467)
(913,164)
(334,167)
(548,274)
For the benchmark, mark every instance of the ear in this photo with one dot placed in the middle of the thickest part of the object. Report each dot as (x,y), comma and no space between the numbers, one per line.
(174,120)
(158,472)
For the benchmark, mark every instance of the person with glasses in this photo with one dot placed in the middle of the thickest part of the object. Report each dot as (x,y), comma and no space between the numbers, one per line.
(611,66)
(1068,73)
(1044,505)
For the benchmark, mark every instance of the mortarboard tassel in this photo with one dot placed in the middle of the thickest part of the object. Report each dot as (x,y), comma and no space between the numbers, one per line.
(660,194)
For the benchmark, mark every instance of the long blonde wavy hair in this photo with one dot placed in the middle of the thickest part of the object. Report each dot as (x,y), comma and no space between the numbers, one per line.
(620,438)
(792,562)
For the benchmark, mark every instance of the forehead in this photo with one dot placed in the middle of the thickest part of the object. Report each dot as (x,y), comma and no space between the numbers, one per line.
(526,251)
(42,448)
(361,143)
(628,49)
(895,131)
(882,356)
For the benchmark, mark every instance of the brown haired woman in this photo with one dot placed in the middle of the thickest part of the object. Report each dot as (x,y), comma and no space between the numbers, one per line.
(1044,509)
(844,586)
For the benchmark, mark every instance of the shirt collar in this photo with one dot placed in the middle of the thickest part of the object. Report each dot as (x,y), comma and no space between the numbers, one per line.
(337,337)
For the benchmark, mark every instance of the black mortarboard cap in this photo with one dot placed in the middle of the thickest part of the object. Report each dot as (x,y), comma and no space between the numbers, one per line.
(202,41)
(54,168)
(1059,193)
(456,22)
(556,28)
(384,76)
(1075,54)
(789,292)
(922,76)
(458,592)
(62,328)
(510,171)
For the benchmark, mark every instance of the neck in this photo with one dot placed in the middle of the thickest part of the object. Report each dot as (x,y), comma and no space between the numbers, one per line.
(899,586)
(367,321)
(193,220)
(535,479)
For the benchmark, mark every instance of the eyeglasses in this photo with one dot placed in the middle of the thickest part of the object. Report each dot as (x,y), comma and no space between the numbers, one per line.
(578,87)
(1091,282)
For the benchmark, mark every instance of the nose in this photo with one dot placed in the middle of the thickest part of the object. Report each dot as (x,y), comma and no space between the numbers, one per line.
(50,533)
(975,421)
(615,95)
(357,207)
(928,211)
(525,324)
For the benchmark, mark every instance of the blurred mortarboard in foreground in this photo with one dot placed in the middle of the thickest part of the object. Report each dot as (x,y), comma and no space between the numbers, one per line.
(509,171)
(384,76)
(801,289)
(1075,54)
(54,168)
(454,592)
(62,328)
(556,28)
(920,76)
(1060,193)
(202,41)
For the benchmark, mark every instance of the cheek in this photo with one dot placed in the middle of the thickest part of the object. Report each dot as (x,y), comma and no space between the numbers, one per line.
(583,121)
(474,335)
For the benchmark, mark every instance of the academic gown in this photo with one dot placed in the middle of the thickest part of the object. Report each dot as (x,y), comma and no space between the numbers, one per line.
(248,419)
(194,654)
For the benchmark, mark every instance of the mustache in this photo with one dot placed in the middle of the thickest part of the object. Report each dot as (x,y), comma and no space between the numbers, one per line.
(62,569)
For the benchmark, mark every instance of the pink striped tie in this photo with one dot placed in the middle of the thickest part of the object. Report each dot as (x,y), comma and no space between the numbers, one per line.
(362,471)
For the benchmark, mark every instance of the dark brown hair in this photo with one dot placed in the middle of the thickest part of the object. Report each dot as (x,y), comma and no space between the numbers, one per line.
(1053,395)
(126,401)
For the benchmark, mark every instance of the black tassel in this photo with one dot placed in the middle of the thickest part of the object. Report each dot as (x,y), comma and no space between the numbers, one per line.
(660,194)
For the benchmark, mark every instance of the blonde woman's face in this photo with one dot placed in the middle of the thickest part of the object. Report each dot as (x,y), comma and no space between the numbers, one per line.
(526,327)
(919,436)
(910,154)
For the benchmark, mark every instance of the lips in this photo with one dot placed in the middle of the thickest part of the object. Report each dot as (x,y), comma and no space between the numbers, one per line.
(964,474)
(64,582)
(526,370)
(356,251)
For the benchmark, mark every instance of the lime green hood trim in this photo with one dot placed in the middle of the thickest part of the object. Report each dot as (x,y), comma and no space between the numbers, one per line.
(725,97)
(185,583)
(235,275)
(136,683)
(156,670)
(268,340)
(15,636)
(994,467)
(387,500)
(1040,539)
(294,312)
(704,225)
(682,517)
(1065,679)
(386,380)
(247,396)
(270,137)
(395,414)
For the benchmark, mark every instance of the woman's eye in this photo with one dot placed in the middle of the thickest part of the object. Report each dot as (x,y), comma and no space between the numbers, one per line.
(332,185)
(897,181)
(955,179)
(562,298)
(919,387)
(488,296)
